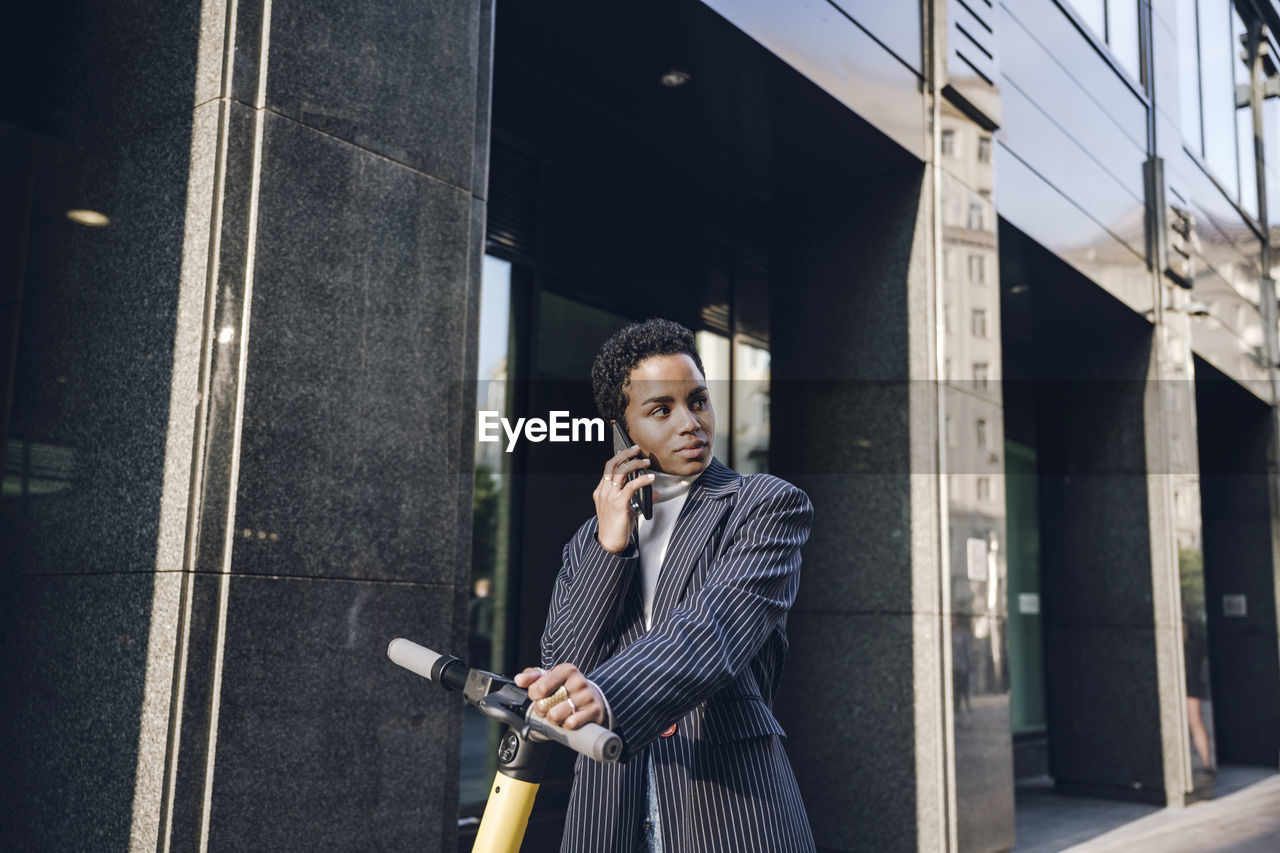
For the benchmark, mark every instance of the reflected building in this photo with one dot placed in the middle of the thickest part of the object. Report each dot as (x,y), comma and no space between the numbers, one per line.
(992,282)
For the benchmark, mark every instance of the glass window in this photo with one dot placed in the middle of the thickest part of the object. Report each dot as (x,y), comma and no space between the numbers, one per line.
(977,269)
(981,373)
(751,379)
(981,429)
(984,488)
(948,143)
(1094,15)
(984,149)
(713,349)
(975,217)
(1216,114)
(1114,22)
(1217,92)
(978,323)
(489,528)
(1189,76)
(1271,140)
(1122,35)
(1244,120)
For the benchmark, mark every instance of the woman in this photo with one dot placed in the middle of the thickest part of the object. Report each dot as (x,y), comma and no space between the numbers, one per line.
(680,620)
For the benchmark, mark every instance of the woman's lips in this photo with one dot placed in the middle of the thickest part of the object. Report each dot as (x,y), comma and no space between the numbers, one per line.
(692,452)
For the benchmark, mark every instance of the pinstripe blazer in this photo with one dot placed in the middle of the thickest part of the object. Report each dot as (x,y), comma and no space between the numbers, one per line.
(711,663)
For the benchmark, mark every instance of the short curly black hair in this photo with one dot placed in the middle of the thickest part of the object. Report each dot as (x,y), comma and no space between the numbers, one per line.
(618,356)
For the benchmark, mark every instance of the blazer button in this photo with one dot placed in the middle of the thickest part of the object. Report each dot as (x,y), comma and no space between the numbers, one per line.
(669,732)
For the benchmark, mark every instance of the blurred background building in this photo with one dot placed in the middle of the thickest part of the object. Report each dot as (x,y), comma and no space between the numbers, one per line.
(992,281)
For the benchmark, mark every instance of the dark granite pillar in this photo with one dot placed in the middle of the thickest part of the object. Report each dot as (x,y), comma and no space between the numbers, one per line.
(1239,570)
(240,406)
(115,124)
(862,700)
(1108,573)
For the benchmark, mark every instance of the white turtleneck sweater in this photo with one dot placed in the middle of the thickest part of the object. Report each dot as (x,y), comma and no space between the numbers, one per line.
(654,534)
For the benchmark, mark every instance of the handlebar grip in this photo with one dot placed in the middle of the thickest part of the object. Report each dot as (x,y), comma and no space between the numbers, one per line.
(445,670)
(592,740)
(413,657)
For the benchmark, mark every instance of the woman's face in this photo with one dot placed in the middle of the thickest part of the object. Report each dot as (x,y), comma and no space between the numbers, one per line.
(669,414)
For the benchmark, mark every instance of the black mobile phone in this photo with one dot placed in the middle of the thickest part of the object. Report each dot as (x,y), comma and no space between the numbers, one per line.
(642,500)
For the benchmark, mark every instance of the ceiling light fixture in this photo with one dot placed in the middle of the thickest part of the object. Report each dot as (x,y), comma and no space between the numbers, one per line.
(675,77)
(92,218)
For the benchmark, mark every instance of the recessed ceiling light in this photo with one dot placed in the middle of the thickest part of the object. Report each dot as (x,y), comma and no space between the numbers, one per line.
(675,77)
(92,218)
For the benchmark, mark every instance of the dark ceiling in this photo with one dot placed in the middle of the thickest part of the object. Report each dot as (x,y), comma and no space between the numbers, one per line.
(579,84)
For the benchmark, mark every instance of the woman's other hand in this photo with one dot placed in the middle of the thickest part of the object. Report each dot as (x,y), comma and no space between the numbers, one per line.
(588,702)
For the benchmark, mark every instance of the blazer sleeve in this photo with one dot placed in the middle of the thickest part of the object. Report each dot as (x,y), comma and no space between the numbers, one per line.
(585,600)
(707,641)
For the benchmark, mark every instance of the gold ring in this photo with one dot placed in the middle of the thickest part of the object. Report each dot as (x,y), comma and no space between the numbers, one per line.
(547,703)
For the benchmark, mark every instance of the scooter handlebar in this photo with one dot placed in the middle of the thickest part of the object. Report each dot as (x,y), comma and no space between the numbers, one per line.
(593,741)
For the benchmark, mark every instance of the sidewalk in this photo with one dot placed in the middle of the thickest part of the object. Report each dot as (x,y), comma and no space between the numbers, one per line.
(1243,818)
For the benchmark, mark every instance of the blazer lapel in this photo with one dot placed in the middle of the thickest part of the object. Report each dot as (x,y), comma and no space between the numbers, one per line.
(701,514)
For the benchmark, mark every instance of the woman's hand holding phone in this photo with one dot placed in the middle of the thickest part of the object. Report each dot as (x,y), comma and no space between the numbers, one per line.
(613,498)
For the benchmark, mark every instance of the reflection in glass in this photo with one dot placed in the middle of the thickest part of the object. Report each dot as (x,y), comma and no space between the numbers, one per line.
(1271,155)
(714,351)
(972,433)
(1179,404)
(489,530)
(1244,121)
(1026,649)
(1122,34)
(1094,14)
(1189,77)
(1217,92)
(751,408)
(1116,23)
(1195,641)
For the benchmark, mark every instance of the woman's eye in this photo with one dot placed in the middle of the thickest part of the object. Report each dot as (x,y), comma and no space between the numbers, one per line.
(660,410)
(700,403)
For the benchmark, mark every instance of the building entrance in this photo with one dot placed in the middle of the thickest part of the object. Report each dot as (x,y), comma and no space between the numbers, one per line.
(1237,596)
(1111,539)
(642,161)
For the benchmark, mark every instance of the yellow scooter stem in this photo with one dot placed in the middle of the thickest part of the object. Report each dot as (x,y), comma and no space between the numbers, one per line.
(506,815)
